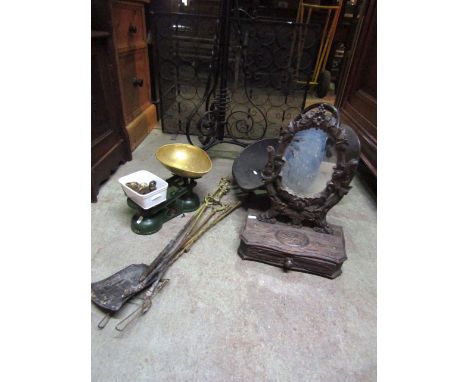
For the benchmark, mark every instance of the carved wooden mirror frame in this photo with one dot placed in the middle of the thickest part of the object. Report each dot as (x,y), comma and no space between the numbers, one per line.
(311,211)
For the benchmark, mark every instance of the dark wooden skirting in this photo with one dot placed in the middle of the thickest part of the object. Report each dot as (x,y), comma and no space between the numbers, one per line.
(105,166)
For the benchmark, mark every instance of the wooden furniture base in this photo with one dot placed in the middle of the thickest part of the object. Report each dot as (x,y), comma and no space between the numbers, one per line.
(129,33)
(293,248)
(141,126)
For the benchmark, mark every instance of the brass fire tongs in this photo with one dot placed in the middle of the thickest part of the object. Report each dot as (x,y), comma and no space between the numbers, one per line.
(195,227)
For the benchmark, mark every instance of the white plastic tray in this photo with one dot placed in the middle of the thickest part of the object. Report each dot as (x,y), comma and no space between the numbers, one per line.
(151,199)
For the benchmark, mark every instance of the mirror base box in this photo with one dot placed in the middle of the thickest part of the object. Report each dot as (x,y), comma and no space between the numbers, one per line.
(293,248)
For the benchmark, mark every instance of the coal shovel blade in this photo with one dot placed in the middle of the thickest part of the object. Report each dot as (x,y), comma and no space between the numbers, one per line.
(111,293)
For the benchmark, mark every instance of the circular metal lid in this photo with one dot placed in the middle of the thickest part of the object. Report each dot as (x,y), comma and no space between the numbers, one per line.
(248,166)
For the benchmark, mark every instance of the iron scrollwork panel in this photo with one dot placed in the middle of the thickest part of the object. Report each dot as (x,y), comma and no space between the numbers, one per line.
(267,74)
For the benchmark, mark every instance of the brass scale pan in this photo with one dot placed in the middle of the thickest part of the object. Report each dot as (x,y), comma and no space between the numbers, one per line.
(184,160)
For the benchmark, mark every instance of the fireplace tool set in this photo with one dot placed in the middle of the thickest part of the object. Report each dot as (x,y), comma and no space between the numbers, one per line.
(138,283)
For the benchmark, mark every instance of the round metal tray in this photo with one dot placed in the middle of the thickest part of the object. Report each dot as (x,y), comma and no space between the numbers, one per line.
(248,166)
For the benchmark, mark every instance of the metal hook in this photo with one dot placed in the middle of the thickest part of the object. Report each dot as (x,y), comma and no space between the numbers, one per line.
(105,320)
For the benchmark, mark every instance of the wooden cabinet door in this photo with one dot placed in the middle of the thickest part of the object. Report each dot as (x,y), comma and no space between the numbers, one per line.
(357,99)
(109,140)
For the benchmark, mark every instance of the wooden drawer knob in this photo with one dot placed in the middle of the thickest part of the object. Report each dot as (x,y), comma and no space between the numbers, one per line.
(287,264)
(137,82)
(132,29)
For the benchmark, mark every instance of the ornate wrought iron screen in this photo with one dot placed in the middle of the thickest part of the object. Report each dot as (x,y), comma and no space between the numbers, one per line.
(270,63)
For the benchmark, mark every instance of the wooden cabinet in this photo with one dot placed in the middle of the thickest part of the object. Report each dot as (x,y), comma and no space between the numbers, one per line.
(129,32)
(357,97)
(136,92)
(110,144)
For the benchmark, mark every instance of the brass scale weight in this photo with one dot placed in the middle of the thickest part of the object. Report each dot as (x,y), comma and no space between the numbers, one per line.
(113,292)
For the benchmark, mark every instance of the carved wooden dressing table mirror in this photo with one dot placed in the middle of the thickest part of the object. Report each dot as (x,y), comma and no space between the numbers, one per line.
(305,173)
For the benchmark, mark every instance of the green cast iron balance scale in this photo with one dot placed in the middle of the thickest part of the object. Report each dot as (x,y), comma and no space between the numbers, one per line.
(187,163)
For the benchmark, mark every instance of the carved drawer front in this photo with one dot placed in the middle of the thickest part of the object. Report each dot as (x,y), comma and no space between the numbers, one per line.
(129,25)
(135,86)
